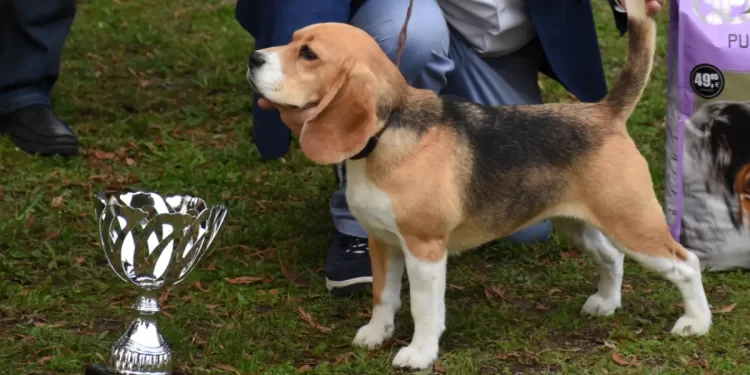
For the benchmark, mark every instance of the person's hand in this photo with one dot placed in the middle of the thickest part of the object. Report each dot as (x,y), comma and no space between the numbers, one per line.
(293,118)
(264,103)
(652,6)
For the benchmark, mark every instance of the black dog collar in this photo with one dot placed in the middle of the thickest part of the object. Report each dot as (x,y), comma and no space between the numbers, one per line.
(373,141)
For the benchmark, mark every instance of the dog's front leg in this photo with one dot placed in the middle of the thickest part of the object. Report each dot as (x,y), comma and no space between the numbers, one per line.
(426,264)
(387,272)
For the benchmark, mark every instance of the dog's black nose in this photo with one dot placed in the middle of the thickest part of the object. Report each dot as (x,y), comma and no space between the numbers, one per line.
(256,60)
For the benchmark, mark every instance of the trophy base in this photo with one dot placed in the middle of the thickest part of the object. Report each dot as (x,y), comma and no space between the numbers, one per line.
(97,370)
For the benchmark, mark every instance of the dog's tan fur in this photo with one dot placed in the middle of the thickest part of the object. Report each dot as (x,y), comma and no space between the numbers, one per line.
(426,165)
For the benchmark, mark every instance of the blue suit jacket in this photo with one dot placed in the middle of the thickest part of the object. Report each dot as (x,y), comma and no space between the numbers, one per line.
(565,28)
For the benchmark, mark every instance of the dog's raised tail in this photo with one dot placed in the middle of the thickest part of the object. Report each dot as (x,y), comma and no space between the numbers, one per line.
(629,85)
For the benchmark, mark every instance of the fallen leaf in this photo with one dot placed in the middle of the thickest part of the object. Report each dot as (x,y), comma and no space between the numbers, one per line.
(224,367)
(30,221)
(622,361)
(211,307)
(56,202)
(99,154)
(497,290)
(200,287)
(304,368)
(542,307)
(570,254)
(130,161)
(342,357)
(164,295)
(245,280)
(292,277)
(309,319)
(79,261)
(45,359)
(100,165)
(725,309)
(554,291)
(52,235)
(438,366)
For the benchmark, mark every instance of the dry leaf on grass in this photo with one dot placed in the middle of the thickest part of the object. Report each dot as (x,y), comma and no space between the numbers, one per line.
(342,357)
(224,367)
(725,309)
(56,202)
(200,287)
(245,280)
(306,316)
(79,261)
(622,361)
(164,295)
(45,359)
(304,368)
(102,155)
(292,277)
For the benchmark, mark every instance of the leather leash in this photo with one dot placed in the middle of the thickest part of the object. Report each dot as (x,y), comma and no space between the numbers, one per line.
(402,34)
(373,141)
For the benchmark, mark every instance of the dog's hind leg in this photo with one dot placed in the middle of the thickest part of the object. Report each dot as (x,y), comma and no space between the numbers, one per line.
(608,260)
(620,200)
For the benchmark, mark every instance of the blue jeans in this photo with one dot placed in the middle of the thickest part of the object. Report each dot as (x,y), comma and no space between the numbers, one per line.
(434,58)
(32,34)
(439,59)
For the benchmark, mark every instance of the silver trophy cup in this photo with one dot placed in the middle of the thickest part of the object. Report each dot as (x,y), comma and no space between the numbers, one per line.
(151,242)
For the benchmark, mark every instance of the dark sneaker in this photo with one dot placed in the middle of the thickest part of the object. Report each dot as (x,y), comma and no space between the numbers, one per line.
(347,267)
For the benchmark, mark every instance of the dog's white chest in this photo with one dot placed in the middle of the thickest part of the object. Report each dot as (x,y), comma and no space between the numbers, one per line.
(370,205)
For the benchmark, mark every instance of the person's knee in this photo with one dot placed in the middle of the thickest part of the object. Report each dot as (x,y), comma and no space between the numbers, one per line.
(536,233)
(428,37)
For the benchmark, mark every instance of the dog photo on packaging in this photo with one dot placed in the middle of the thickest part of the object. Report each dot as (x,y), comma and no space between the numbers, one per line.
(708,131)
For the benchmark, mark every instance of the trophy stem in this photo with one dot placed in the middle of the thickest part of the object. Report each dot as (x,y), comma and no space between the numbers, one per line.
(142,350)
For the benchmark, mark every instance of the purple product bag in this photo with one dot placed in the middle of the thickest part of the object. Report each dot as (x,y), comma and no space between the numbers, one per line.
(707,187)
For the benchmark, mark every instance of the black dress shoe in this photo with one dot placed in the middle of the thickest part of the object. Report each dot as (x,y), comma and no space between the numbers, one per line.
(36,130)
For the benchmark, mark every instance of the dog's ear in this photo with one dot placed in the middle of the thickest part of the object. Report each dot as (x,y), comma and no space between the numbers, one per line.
(742,189)
(346,117)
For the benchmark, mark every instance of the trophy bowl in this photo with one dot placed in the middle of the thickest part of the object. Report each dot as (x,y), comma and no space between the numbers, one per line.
(152,242)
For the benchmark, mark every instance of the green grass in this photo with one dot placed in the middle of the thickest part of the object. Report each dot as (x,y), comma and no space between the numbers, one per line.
(158,89)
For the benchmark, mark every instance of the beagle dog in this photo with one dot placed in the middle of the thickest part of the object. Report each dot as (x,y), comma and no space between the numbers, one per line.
(430,175)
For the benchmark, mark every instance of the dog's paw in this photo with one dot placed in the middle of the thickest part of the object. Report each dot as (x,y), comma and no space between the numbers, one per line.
(692,326)
(372,335)
(598,306)
(415,358)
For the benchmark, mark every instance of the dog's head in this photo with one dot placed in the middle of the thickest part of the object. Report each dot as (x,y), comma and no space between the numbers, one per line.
(330,83)
(717,137)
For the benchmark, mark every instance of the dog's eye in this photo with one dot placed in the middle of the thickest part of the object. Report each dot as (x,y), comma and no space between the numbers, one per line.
(306,53)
